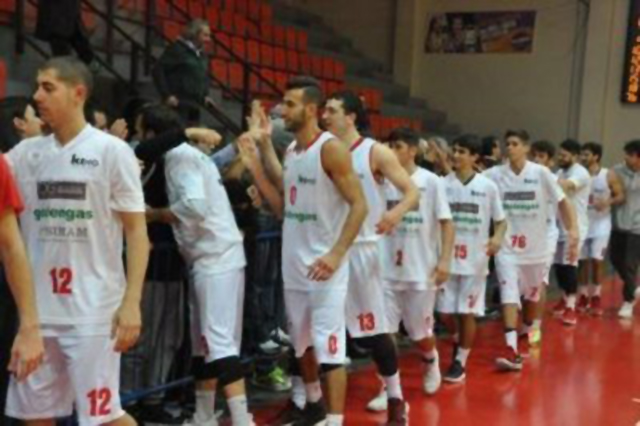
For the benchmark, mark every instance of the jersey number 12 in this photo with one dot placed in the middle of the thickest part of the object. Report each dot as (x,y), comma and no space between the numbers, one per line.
(61,280)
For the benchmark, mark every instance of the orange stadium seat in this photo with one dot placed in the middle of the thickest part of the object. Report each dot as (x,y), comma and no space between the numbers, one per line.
(303,41)
(236,76)
(266,55)
(279,35)
(220,71)
(293,63)
(253,52)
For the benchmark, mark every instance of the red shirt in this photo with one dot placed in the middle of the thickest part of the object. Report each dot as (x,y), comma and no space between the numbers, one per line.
(9,194)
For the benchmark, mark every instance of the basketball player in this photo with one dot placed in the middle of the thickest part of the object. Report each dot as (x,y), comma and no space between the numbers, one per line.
(374,164)
(575,182)
(324,208)
(606,191)
(526,189)
(475,203)
(82,193)
(417,257)
(211,244)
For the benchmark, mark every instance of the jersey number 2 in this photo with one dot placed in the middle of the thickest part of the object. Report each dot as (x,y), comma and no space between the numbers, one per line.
(61,280)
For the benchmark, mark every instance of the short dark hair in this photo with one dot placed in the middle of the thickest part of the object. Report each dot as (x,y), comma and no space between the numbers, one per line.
(311,89)
(352,104)
(159,118)
(404,134)
(521,134)
(70,70)
(489,143)
(594,148)
(545,147)
(11,108)
(632,147)
(469,142)
(572,146)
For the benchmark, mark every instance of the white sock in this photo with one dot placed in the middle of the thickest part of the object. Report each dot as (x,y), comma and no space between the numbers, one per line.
(462,355)
(298,392)
(584,290)
(596,290)
(314,391)
(392,383)
(525,329)
(239,410)
(335,419)
(205,405)
(512,339)
(430,356)
(571,301)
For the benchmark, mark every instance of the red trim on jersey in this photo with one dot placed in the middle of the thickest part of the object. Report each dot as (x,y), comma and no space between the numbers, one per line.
(356,144)
(9,194)
(313,141)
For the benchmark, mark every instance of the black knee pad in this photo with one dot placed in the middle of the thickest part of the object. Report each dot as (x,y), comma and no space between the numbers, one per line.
(227,370)
(383,351)
(201,370)
(326,368)
(567,278)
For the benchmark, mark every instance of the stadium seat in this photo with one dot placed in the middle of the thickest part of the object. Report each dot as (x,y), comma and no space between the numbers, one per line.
(266,55)
(196,9)
(268,75)
(291,38)
(253,30)
(253,52)
(182,5)
(303,41)
(242,7)
(240,25)
(171,30)
(317,65)
(239,47)
(254,84)
(266,32)
(266,12)
(305,63)
(226,22)
(216,3)
(220,71)
(281,80)
(254,10)
(236,76)
(230,5)
(280,58)
(328,68)
(293,63)
(223,39)
(339,71)
(279,35)
(213,16)
(332,87)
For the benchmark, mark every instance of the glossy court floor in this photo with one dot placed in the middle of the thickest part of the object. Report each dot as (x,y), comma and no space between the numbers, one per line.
(586,375)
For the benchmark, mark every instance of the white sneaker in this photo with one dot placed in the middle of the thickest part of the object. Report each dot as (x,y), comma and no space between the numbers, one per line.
(379,403)
(432,377)
(626,311)
(283,337)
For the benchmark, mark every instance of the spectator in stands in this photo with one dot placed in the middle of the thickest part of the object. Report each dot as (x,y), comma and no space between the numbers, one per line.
(60,23)
(18,120)
(100,119)
(182,73)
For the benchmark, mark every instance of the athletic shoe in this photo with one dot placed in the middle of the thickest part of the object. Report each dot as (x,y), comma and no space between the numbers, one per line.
(379,403)
(290,414)
(432,377)
(270,347)
(281,337)
(626,311)
(276,380)
(193,422)
(559,308)
(595,306)
(569,317)
(583,304)
(313,413)
(398,414)
(509,361)
(456,373)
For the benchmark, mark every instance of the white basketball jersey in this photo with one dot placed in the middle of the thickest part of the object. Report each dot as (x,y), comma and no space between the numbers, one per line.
(579,199)
(373,190)
(525,199)
(473,206)
(410,253)
(599,221)
(553,232)
(70,226)
(314,215)
(216,240)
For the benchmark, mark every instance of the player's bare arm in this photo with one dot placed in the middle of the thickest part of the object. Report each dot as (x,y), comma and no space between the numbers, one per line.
(260,129)
(570,221)
(495,242)
(386,163)
(251,160)
(447,237)
(27,351)
(336,161)
(127,321)
(618,195)
(568,186)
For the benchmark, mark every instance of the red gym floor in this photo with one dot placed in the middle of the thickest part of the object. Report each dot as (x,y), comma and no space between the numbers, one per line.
(585,375)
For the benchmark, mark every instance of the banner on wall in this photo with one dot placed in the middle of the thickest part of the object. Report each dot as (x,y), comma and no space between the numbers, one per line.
(481,32)
(631,78)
